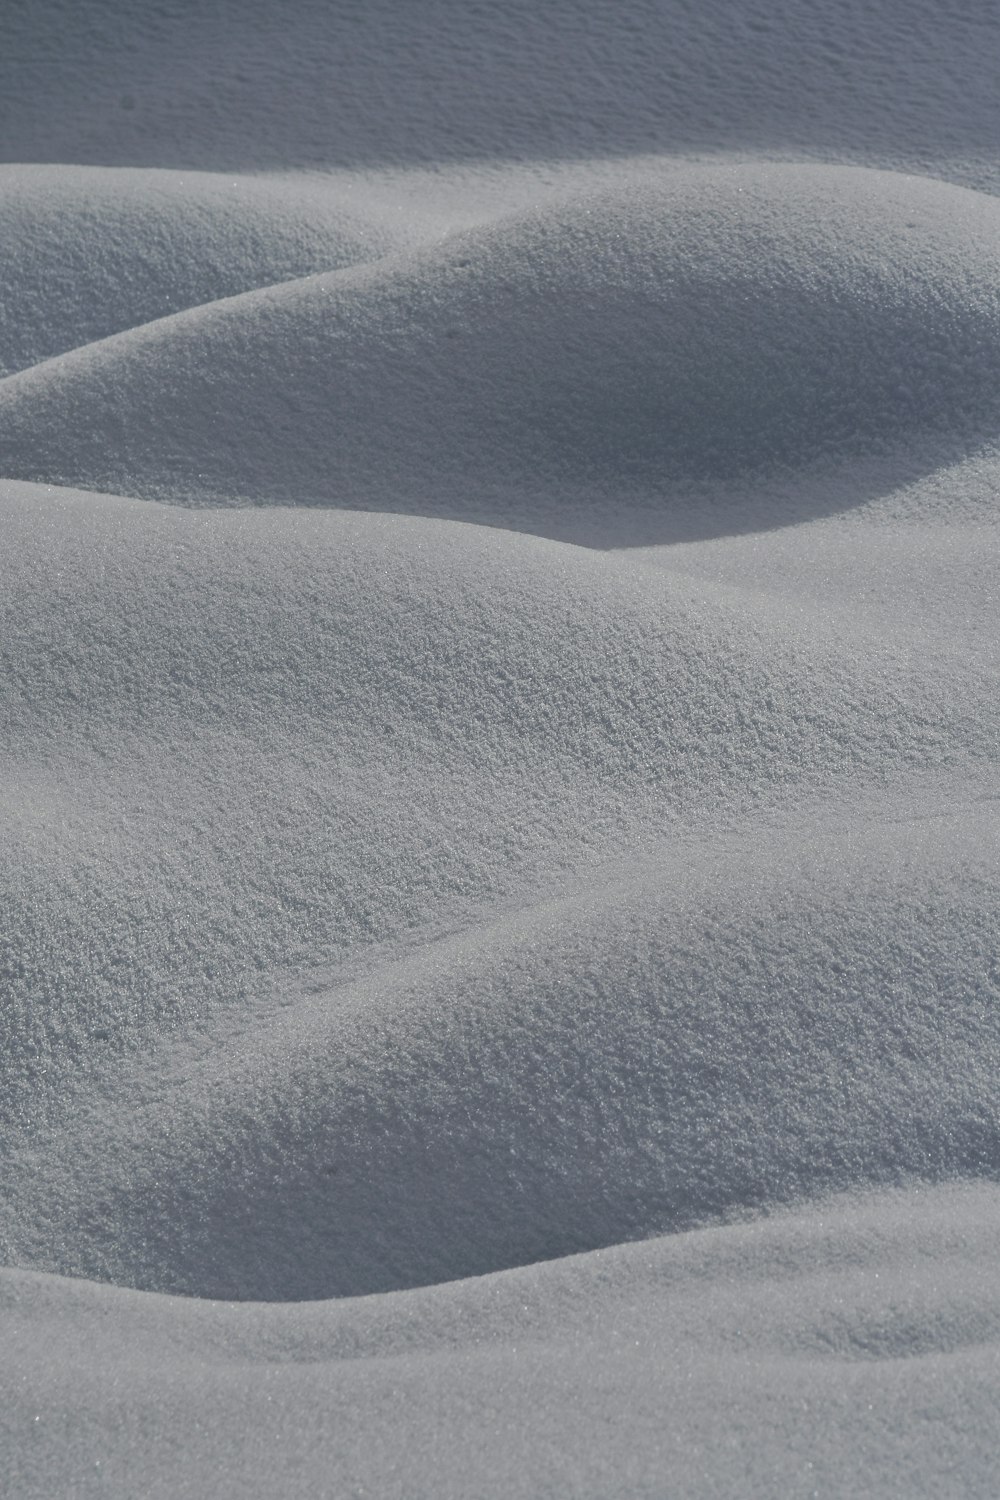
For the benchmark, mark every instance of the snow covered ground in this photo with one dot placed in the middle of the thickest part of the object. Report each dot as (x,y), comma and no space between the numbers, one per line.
(499,718)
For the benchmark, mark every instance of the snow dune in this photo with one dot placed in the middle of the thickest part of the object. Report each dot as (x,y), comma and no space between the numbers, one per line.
(499,902)
(269,739)
(86,252)
(729,1361)
(724,1031)
(558,363)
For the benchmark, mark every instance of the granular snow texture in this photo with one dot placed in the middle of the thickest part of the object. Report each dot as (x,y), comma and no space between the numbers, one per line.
(499,893)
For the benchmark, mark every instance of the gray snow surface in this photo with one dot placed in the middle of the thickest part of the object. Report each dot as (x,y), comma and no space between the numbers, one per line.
(499,720)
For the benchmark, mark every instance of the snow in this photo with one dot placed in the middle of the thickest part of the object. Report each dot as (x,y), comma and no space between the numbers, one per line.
(90,251)
(603,351)
(499,906)
(848,1349)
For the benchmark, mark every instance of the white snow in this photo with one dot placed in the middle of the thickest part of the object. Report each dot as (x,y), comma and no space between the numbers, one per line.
(499,897)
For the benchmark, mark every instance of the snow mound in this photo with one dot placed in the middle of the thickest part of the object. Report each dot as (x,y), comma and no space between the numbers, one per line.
(272,741)
(498,749)
(825,1336)
(607,351)
(267,742)
(87,251)
(769,1019)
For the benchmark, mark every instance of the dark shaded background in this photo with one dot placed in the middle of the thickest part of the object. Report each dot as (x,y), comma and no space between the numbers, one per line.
(246,84)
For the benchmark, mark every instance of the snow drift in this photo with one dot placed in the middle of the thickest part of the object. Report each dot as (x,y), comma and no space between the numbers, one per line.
(499,907)
(578,358)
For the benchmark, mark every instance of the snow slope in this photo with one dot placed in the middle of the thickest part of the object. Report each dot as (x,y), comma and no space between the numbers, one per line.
(499,902)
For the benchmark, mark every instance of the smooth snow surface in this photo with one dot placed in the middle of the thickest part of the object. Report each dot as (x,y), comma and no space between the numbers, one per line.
(499,893)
